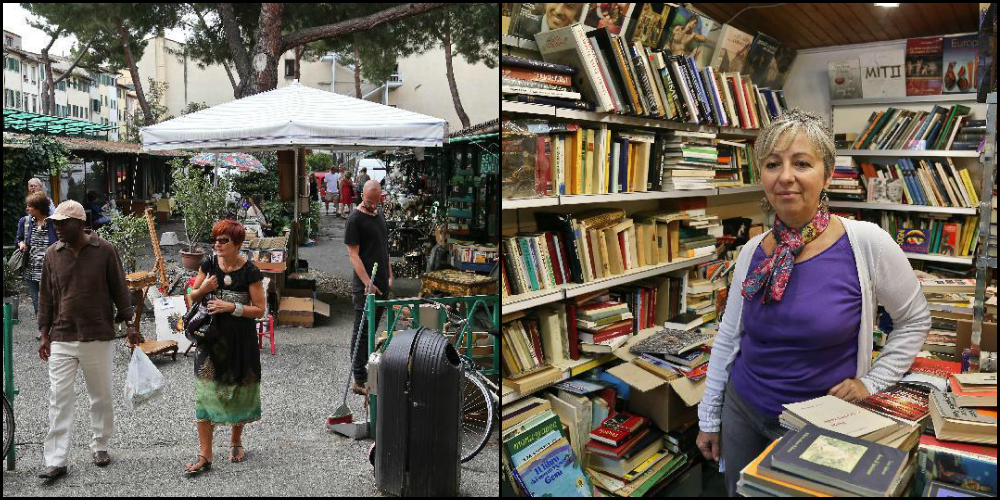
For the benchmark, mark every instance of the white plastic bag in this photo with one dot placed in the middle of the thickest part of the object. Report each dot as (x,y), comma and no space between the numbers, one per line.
(144,382)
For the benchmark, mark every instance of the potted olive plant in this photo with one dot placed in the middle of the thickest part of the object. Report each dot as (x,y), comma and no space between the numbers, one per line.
(125,233)
(201,204)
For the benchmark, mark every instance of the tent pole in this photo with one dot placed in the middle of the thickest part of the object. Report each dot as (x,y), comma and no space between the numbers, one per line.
(295,223)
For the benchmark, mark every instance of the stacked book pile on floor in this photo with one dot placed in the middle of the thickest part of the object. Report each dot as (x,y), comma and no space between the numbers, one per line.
(935,130)
(921,181)
(627,456)
(846,183)
(688,160)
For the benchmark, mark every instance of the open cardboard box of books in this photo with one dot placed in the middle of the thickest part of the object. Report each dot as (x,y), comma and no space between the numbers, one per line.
(670,403)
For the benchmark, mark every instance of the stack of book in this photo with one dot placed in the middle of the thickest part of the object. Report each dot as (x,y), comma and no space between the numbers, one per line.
(539,82)
(920,182)
(900,129)
(836,415)
(974,390)
(972,467)
(816,462)
(688,160)
(971,136)
(953,422)
(538,460)
(846,183)
(735,167)
(627,456)
(699,233)
(603,325)
(526,366)
(675,353)
(931,374)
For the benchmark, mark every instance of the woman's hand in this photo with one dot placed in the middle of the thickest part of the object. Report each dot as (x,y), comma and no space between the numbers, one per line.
(216,306)
(708,443)
(210,285)
(850,390)
(22,246)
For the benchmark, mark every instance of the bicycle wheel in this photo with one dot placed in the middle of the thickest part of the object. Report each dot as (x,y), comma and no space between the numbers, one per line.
(477,417)
(8,427)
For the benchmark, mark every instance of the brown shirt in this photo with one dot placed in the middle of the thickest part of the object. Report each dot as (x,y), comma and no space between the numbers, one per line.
(78,294)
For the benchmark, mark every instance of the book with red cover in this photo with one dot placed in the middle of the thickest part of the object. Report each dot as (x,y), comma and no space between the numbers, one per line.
(599,448)
(536,339)
(614,331)
(937,368)
(969,399)
(617,429)
(535,75)
(557,267)
(572,333)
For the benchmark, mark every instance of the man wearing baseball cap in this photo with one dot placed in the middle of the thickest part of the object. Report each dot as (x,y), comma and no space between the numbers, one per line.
(83,285)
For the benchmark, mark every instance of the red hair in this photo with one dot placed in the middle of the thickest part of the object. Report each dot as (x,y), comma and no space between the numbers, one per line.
(231,229)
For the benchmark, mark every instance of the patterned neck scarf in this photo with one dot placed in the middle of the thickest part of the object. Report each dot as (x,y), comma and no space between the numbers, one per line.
(773,274)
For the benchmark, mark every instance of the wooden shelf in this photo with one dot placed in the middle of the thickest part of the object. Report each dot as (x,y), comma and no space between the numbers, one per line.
(589,199)
(902,153)
(542,201)
(921,99)
(903,208)
(940,258)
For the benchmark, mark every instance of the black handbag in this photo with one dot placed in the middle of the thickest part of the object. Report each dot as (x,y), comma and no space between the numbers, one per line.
(199,324)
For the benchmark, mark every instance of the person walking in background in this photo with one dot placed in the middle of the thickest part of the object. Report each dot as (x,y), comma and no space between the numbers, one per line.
(35,234)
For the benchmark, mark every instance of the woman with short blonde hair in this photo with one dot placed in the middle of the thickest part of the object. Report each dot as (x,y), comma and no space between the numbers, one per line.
(801,310)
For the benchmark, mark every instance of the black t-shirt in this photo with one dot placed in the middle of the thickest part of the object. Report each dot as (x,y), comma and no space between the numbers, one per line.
(371,234)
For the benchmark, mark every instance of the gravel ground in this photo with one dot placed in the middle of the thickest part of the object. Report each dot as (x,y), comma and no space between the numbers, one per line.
(289,453)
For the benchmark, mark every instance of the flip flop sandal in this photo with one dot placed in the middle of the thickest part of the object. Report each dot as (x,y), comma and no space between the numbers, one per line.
(232,455)
(205,467)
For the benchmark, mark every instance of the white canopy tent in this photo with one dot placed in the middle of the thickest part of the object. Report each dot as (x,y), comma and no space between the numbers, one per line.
(296,117)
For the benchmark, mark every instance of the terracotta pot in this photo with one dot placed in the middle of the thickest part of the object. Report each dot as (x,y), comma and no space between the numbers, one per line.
(192,261)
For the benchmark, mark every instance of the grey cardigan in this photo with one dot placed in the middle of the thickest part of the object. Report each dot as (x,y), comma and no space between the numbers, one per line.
(886,279)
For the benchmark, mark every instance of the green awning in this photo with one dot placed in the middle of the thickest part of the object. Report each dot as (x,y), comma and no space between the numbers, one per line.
(24,122)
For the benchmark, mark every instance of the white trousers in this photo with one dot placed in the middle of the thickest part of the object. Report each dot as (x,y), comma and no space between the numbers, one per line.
(96,360)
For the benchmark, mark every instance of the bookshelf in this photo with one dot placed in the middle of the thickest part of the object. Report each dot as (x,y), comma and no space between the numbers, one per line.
(922,99)
(588,199)
(967,261)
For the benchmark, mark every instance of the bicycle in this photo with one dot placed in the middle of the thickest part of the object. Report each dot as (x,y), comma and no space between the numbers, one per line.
(8,427)
(481,400)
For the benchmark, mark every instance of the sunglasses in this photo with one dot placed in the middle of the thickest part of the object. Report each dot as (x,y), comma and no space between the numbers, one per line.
(224,241)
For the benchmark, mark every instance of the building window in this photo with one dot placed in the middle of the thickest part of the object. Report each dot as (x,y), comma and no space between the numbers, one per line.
(289,68)
(34,104)
(17,100)
(9,41)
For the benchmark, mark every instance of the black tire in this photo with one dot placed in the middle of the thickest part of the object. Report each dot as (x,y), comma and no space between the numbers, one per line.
(478,417)
(8,427)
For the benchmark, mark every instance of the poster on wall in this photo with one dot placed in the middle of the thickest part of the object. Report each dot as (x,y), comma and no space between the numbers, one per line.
(882,74)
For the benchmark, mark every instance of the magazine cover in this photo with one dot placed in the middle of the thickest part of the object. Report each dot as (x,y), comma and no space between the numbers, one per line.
(534,18)
(961,58)
(647,23)
(608,15)
(731,50)
(691,34)
(845,79)
(923,66)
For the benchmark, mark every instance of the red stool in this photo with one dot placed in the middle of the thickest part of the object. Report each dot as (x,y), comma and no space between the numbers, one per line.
(265,329)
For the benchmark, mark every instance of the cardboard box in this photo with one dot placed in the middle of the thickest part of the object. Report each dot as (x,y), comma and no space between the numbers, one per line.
(658,399)
(987,343)
(299,308)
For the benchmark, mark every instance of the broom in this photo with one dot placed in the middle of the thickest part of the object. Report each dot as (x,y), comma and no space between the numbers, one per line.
(343,414)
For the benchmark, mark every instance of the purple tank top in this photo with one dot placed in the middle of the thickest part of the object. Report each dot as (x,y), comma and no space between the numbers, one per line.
(801,347)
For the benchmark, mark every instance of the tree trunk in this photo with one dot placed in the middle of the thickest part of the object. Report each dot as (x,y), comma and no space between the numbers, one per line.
(229,71)
(298,63)
(268,47)
(134,72)
(50,88)
(451,74)
(357,73)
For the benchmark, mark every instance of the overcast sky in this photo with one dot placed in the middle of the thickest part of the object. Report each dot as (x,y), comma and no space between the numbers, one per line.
(15,20)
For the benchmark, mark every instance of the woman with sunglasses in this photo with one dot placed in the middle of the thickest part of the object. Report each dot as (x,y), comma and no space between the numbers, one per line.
(227,365)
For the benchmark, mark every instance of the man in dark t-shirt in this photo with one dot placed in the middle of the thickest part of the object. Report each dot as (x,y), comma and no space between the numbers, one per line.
(367,240)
